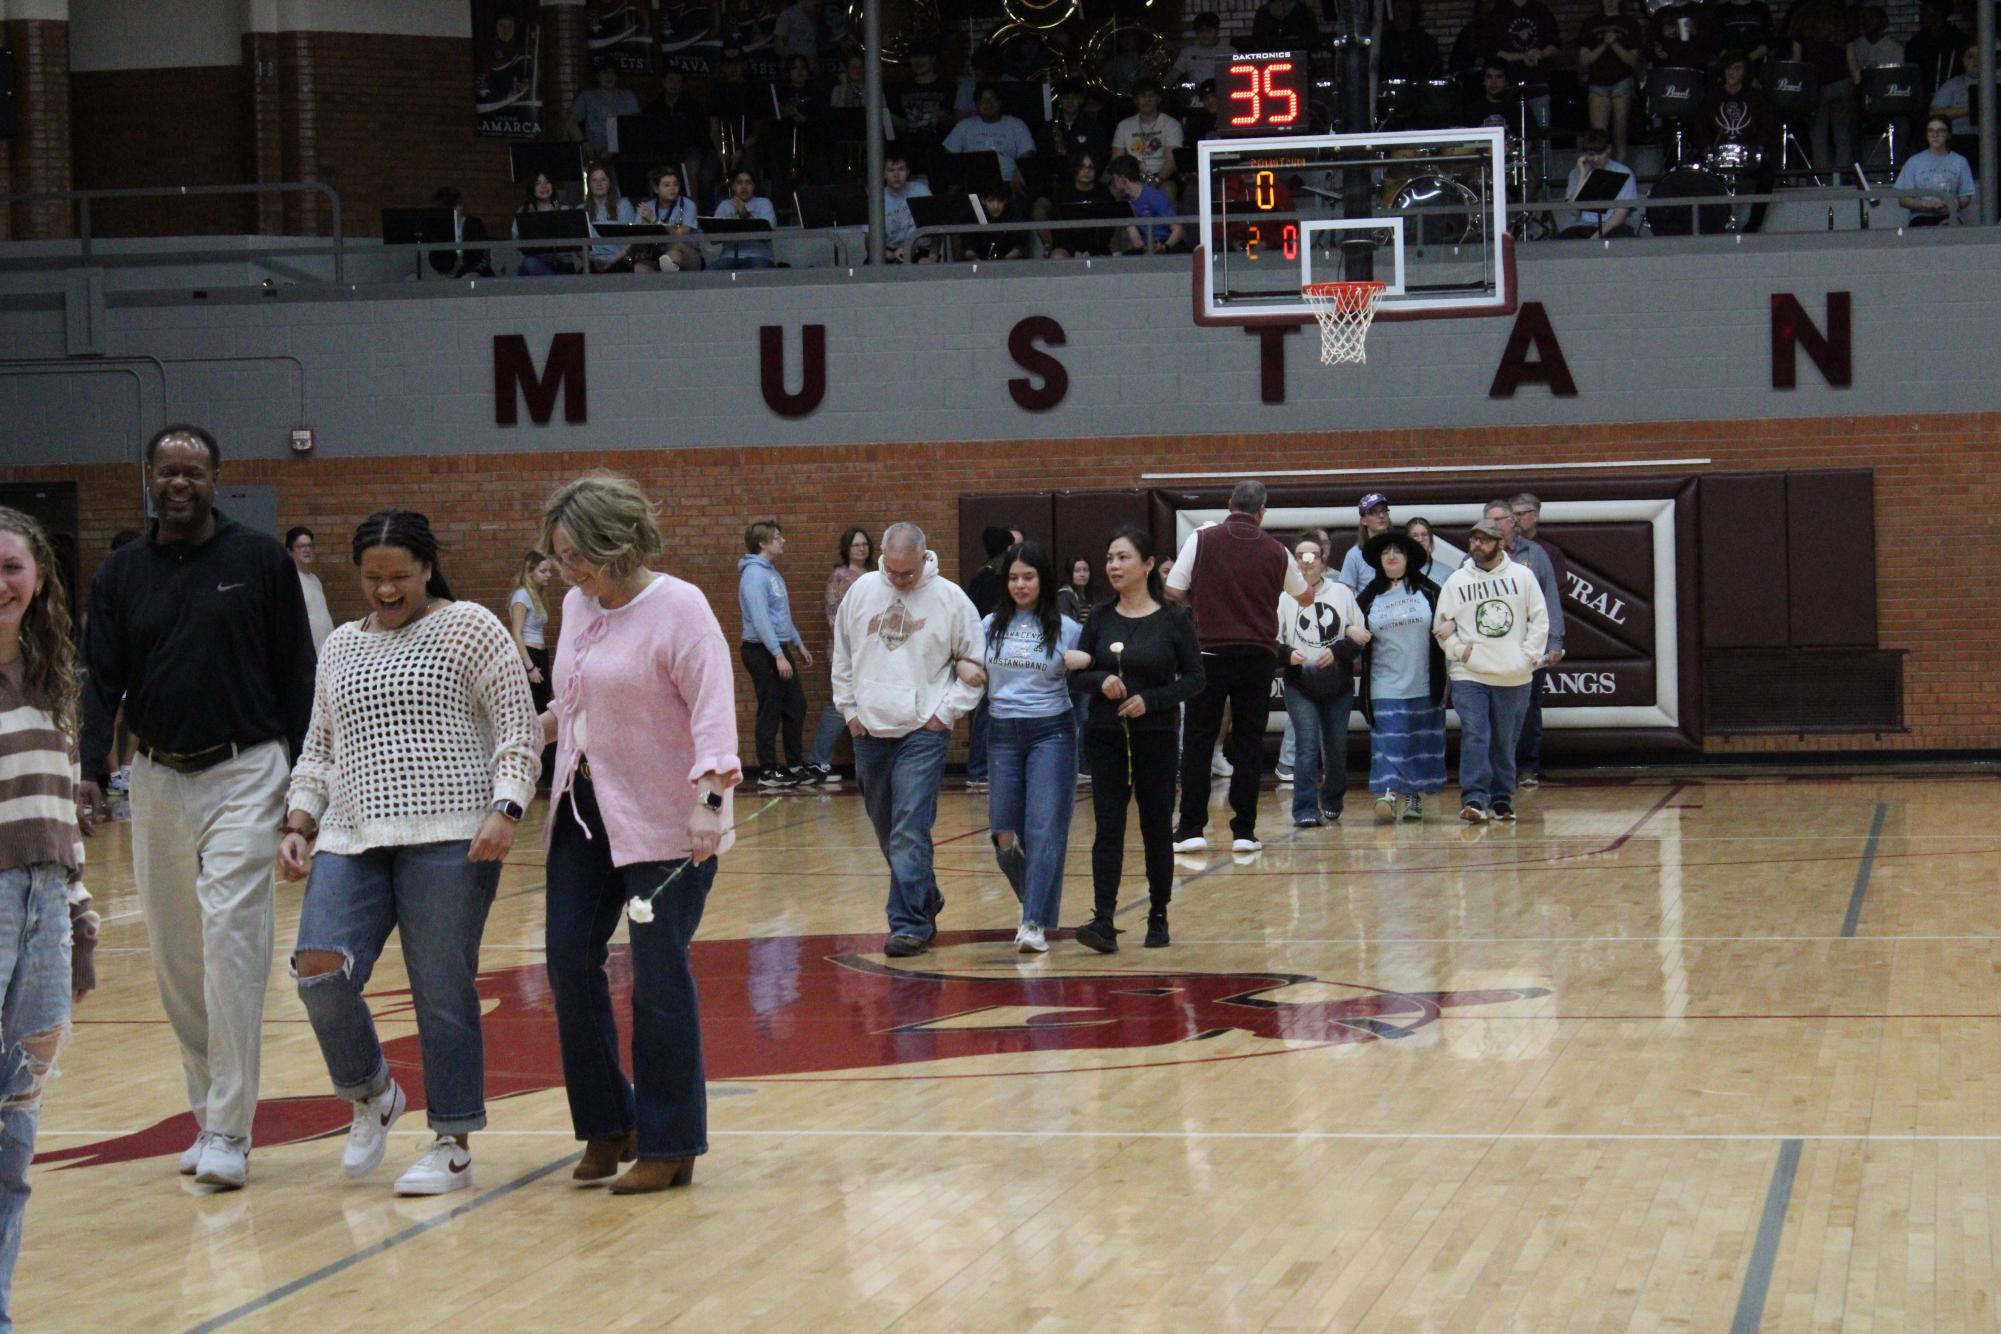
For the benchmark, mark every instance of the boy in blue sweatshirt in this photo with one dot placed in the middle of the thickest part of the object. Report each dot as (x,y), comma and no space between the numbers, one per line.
(770,641)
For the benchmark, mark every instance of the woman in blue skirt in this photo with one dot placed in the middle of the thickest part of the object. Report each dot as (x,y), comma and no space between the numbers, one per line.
(1401,678)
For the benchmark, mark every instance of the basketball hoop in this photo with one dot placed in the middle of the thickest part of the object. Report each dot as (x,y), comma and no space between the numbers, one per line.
(1345,311)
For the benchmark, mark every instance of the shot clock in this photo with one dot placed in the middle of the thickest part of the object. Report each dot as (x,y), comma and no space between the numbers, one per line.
(1265,92)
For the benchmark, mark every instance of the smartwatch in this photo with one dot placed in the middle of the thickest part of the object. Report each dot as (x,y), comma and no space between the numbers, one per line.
(714,801)
(510,809)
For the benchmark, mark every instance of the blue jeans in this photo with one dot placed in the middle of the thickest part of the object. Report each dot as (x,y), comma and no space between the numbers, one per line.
(1081,705)
(34,1020)
(1034,791)
(437,901)
(1490,723)
(976,741)
(1320,746)
(899,778)
(826,733)
(1528,751)
(586,898)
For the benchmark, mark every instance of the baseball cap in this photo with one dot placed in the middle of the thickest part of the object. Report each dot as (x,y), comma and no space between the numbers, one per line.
(1373,499)
(1489,528)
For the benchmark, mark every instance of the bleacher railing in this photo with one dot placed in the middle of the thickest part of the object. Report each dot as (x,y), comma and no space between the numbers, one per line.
(86,237)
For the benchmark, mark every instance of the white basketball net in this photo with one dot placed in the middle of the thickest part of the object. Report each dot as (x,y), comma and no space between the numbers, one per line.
(1345,311)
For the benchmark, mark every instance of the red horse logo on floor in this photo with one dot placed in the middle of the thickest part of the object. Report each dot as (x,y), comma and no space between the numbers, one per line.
(809,1005)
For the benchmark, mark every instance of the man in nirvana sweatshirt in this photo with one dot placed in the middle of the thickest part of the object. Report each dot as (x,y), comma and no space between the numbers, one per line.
(769,637)
(907,654)
(1493,625)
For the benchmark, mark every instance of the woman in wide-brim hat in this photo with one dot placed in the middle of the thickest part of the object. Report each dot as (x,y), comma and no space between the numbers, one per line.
(1400,678)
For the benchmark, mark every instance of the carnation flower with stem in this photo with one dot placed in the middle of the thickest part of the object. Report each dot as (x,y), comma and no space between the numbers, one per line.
(1119,660)
(639,907)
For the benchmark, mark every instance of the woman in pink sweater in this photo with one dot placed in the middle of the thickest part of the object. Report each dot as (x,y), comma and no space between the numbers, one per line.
(645,730)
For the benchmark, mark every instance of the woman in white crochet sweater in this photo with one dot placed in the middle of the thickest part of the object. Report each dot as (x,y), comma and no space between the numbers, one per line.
(423,749)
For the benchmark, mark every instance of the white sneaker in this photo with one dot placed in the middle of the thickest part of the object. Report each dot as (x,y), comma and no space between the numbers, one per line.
(1246,845)
(191,1156)
(1220,767)
(1284,776)
(446,1166)
(1030,940)
(1195,844)
(225,1162)
(368,1137)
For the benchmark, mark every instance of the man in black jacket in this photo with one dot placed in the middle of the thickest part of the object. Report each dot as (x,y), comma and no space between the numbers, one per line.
(201,631)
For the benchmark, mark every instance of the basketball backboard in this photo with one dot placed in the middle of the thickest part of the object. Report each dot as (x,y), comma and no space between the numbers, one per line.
(1423,211)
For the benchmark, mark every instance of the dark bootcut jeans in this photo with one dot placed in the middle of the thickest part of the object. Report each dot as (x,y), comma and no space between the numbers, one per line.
(1490,723)
(1241,679)
(586,898)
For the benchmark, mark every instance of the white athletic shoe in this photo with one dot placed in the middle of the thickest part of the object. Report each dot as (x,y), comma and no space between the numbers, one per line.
(1218,766)
(191,1156)
(1030,940)
(225,1163)
(446,1166)
(368,1137)
(1246,845)
(1196,844)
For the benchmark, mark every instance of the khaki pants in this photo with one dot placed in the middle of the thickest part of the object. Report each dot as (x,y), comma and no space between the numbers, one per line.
(203,847)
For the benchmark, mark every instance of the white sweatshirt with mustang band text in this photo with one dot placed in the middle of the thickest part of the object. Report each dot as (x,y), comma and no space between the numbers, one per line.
(1500,614)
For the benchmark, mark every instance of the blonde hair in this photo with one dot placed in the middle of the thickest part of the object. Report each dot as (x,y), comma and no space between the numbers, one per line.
(525,581)
(608,520)
(48,649)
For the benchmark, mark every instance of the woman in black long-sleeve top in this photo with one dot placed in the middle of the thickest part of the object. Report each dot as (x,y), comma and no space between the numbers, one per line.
(1138,662)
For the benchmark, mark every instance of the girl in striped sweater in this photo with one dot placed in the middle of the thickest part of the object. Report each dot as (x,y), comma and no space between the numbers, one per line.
(47,929)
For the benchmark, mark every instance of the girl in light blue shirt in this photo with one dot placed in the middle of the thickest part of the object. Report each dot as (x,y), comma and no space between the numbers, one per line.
(1031,740)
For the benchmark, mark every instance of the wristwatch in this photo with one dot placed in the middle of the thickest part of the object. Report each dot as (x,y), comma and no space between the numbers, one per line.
(510,809)
(714,801)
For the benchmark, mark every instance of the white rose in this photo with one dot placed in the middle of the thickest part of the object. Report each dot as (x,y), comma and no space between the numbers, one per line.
(1118,648)
(640,910)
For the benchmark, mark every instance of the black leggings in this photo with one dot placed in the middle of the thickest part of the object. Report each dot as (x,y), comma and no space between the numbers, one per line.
(1148,777)
(542,693)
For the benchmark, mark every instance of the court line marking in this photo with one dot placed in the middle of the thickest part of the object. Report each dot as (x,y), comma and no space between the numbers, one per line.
(1864,871)
(346,1262)
(1409,470)
(1442,1136)
(1758,1274)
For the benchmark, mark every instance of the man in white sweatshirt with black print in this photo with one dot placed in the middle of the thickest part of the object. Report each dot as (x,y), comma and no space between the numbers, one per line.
(1493,624)
(907,665)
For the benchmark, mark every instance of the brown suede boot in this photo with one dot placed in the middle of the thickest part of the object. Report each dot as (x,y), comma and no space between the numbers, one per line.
(651,1174)
(602,1156)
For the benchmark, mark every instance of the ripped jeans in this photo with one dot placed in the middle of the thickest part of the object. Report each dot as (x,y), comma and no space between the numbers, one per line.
(34,1019)
(438,901)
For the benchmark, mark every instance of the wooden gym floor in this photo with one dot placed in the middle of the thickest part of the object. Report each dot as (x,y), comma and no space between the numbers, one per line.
(1695,1055)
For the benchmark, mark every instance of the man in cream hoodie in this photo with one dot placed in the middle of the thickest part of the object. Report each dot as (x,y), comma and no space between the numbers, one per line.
(906,666)
(1493,625)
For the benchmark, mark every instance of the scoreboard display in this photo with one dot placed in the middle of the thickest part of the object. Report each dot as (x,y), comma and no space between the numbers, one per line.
(1265,92)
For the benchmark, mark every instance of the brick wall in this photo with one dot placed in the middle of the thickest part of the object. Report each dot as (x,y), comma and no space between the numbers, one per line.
(123,141)
(40,149)
(1938,492)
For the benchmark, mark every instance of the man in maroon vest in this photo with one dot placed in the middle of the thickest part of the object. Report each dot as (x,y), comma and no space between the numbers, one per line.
(1232,573)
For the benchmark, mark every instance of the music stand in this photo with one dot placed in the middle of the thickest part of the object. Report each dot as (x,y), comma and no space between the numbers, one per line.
(558,224)
(714,229)
(1077,239)
(1674,95)
(976,173)
(946,210)
(825,206)
(416,226)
